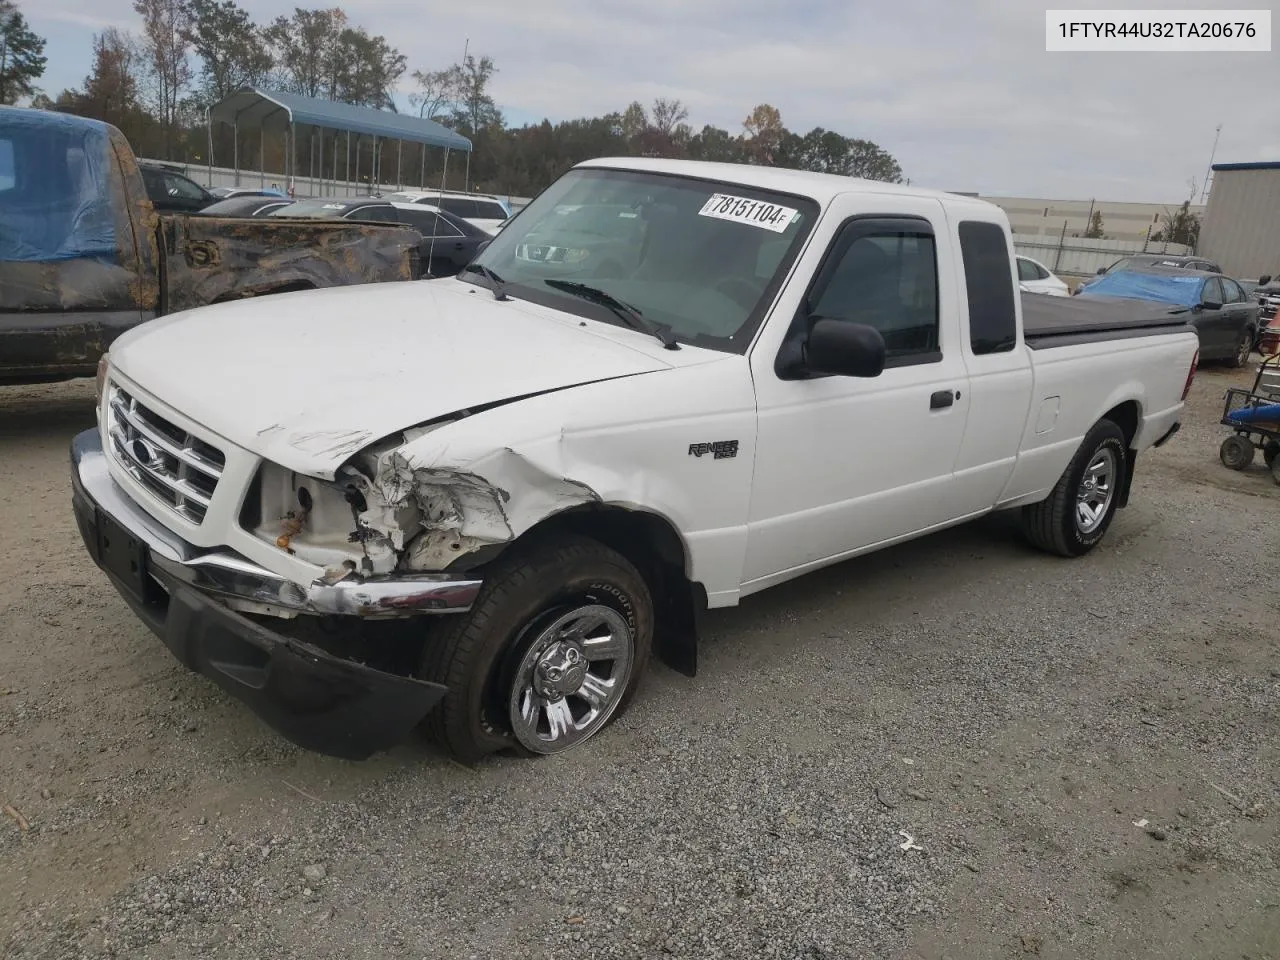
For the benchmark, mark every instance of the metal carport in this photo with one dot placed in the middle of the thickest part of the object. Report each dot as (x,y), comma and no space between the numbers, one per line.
(274,110)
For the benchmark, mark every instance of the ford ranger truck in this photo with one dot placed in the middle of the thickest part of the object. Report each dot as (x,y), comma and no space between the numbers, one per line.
(480,504)
(84,255)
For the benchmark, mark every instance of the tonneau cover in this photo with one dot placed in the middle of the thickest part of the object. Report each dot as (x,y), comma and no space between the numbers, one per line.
(1045,316)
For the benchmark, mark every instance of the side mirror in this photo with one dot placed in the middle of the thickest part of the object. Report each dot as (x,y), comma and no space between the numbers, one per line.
(1101,271)
(844,349)
(1264,279)
(482,246)
(1210,305)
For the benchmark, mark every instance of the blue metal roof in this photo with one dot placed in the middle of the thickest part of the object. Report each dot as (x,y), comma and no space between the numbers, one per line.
(255,107)
(1254,165)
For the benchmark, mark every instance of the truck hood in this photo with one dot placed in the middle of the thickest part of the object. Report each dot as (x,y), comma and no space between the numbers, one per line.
(307,379)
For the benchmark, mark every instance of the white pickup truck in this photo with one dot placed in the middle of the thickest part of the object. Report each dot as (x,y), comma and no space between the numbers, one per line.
(480,502)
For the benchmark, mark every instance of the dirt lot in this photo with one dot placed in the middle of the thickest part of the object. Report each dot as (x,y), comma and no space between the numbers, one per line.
(1018,716)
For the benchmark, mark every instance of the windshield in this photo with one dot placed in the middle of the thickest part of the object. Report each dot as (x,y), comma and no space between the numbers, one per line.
(699,257)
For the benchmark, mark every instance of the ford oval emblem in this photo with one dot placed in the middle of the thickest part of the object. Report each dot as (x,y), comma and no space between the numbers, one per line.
(146,453)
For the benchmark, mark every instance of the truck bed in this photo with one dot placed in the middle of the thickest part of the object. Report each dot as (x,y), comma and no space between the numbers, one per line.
(1058,321)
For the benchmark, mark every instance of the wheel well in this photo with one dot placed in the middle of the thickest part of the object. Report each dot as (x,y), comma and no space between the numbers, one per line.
(1125,416)
(652,544)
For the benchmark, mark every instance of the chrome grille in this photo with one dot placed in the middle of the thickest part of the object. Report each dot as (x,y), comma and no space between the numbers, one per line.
(177,467)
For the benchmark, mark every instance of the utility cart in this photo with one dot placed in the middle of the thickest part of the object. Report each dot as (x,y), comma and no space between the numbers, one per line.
(1254,415)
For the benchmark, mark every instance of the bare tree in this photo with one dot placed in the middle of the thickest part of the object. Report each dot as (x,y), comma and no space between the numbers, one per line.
(439,92)
(165,28)
(667,115)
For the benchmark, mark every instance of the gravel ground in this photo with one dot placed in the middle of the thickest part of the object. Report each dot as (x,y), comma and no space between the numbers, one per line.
(1081,758)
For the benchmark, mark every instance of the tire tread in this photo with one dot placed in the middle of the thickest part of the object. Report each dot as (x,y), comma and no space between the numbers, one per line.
(1045,523)
(450,651)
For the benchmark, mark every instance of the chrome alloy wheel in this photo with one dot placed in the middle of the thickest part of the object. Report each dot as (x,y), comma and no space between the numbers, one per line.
(1097,487)
(571,679)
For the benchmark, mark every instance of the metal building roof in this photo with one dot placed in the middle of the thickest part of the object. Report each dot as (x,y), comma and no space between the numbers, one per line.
(255,107)
(1253,165)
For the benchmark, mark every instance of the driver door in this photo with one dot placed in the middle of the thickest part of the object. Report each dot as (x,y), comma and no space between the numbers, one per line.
(845,463)
(1214,324)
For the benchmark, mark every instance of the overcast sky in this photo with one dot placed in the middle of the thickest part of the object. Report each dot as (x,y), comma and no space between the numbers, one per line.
(963,94)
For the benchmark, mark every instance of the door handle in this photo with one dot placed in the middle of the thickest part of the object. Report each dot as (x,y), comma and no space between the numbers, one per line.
(941,399)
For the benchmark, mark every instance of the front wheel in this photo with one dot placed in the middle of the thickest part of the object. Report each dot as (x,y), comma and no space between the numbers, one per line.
(552,651)
(1073,519)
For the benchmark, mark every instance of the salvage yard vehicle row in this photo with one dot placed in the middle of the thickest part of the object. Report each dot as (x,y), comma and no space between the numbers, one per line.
(84,255)
(493,496)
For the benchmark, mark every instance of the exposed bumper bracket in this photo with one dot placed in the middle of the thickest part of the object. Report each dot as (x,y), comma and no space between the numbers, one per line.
(226,574)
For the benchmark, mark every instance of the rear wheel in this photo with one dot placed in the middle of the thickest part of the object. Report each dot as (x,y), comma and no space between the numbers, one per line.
(552,651)
(1074,518)
(1243,348)
(1236,452)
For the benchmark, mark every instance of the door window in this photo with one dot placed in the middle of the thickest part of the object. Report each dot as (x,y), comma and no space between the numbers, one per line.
(1027,270)
(1212,291)
(993,319)
(884,274)
(427,223)
(182,188)
(458,206)
(376,214)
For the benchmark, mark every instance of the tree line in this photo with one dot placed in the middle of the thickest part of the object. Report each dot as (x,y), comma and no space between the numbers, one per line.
(156,85)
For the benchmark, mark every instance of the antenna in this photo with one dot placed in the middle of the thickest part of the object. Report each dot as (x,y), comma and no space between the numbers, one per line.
(1208,174)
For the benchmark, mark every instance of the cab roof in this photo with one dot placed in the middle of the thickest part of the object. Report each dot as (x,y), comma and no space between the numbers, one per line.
(822,187)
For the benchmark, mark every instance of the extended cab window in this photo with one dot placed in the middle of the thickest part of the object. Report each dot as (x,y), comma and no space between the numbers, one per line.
(884,274)
(993,323)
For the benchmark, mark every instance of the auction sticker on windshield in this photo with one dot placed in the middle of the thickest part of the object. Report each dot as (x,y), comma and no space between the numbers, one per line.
(758,213)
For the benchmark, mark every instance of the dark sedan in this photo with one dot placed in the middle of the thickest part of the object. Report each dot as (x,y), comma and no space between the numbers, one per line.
(448,243)
(1225,317)
(245,206)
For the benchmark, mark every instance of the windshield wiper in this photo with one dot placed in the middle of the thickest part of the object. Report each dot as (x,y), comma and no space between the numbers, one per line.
(496,283)
(630,314)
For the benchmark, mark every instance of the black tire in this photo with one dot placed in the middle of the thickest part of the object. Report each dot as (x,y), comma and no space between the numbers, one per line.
(1052,524)
(1270,451)
(1236,452)
(474,654)
(1244,347)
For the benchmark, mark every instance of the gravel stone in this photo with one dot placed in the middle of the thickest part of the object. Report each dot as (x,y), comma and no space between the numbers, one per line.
(1015,683)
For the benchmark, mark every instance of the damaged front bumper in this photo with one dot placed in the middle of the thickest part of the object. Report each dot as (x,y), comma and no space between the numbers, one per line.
(317,700)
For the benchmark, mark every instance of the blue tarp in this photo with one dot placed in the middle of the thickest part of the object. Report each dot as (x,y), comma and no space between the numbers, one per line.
(1182,291)
(55,188)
